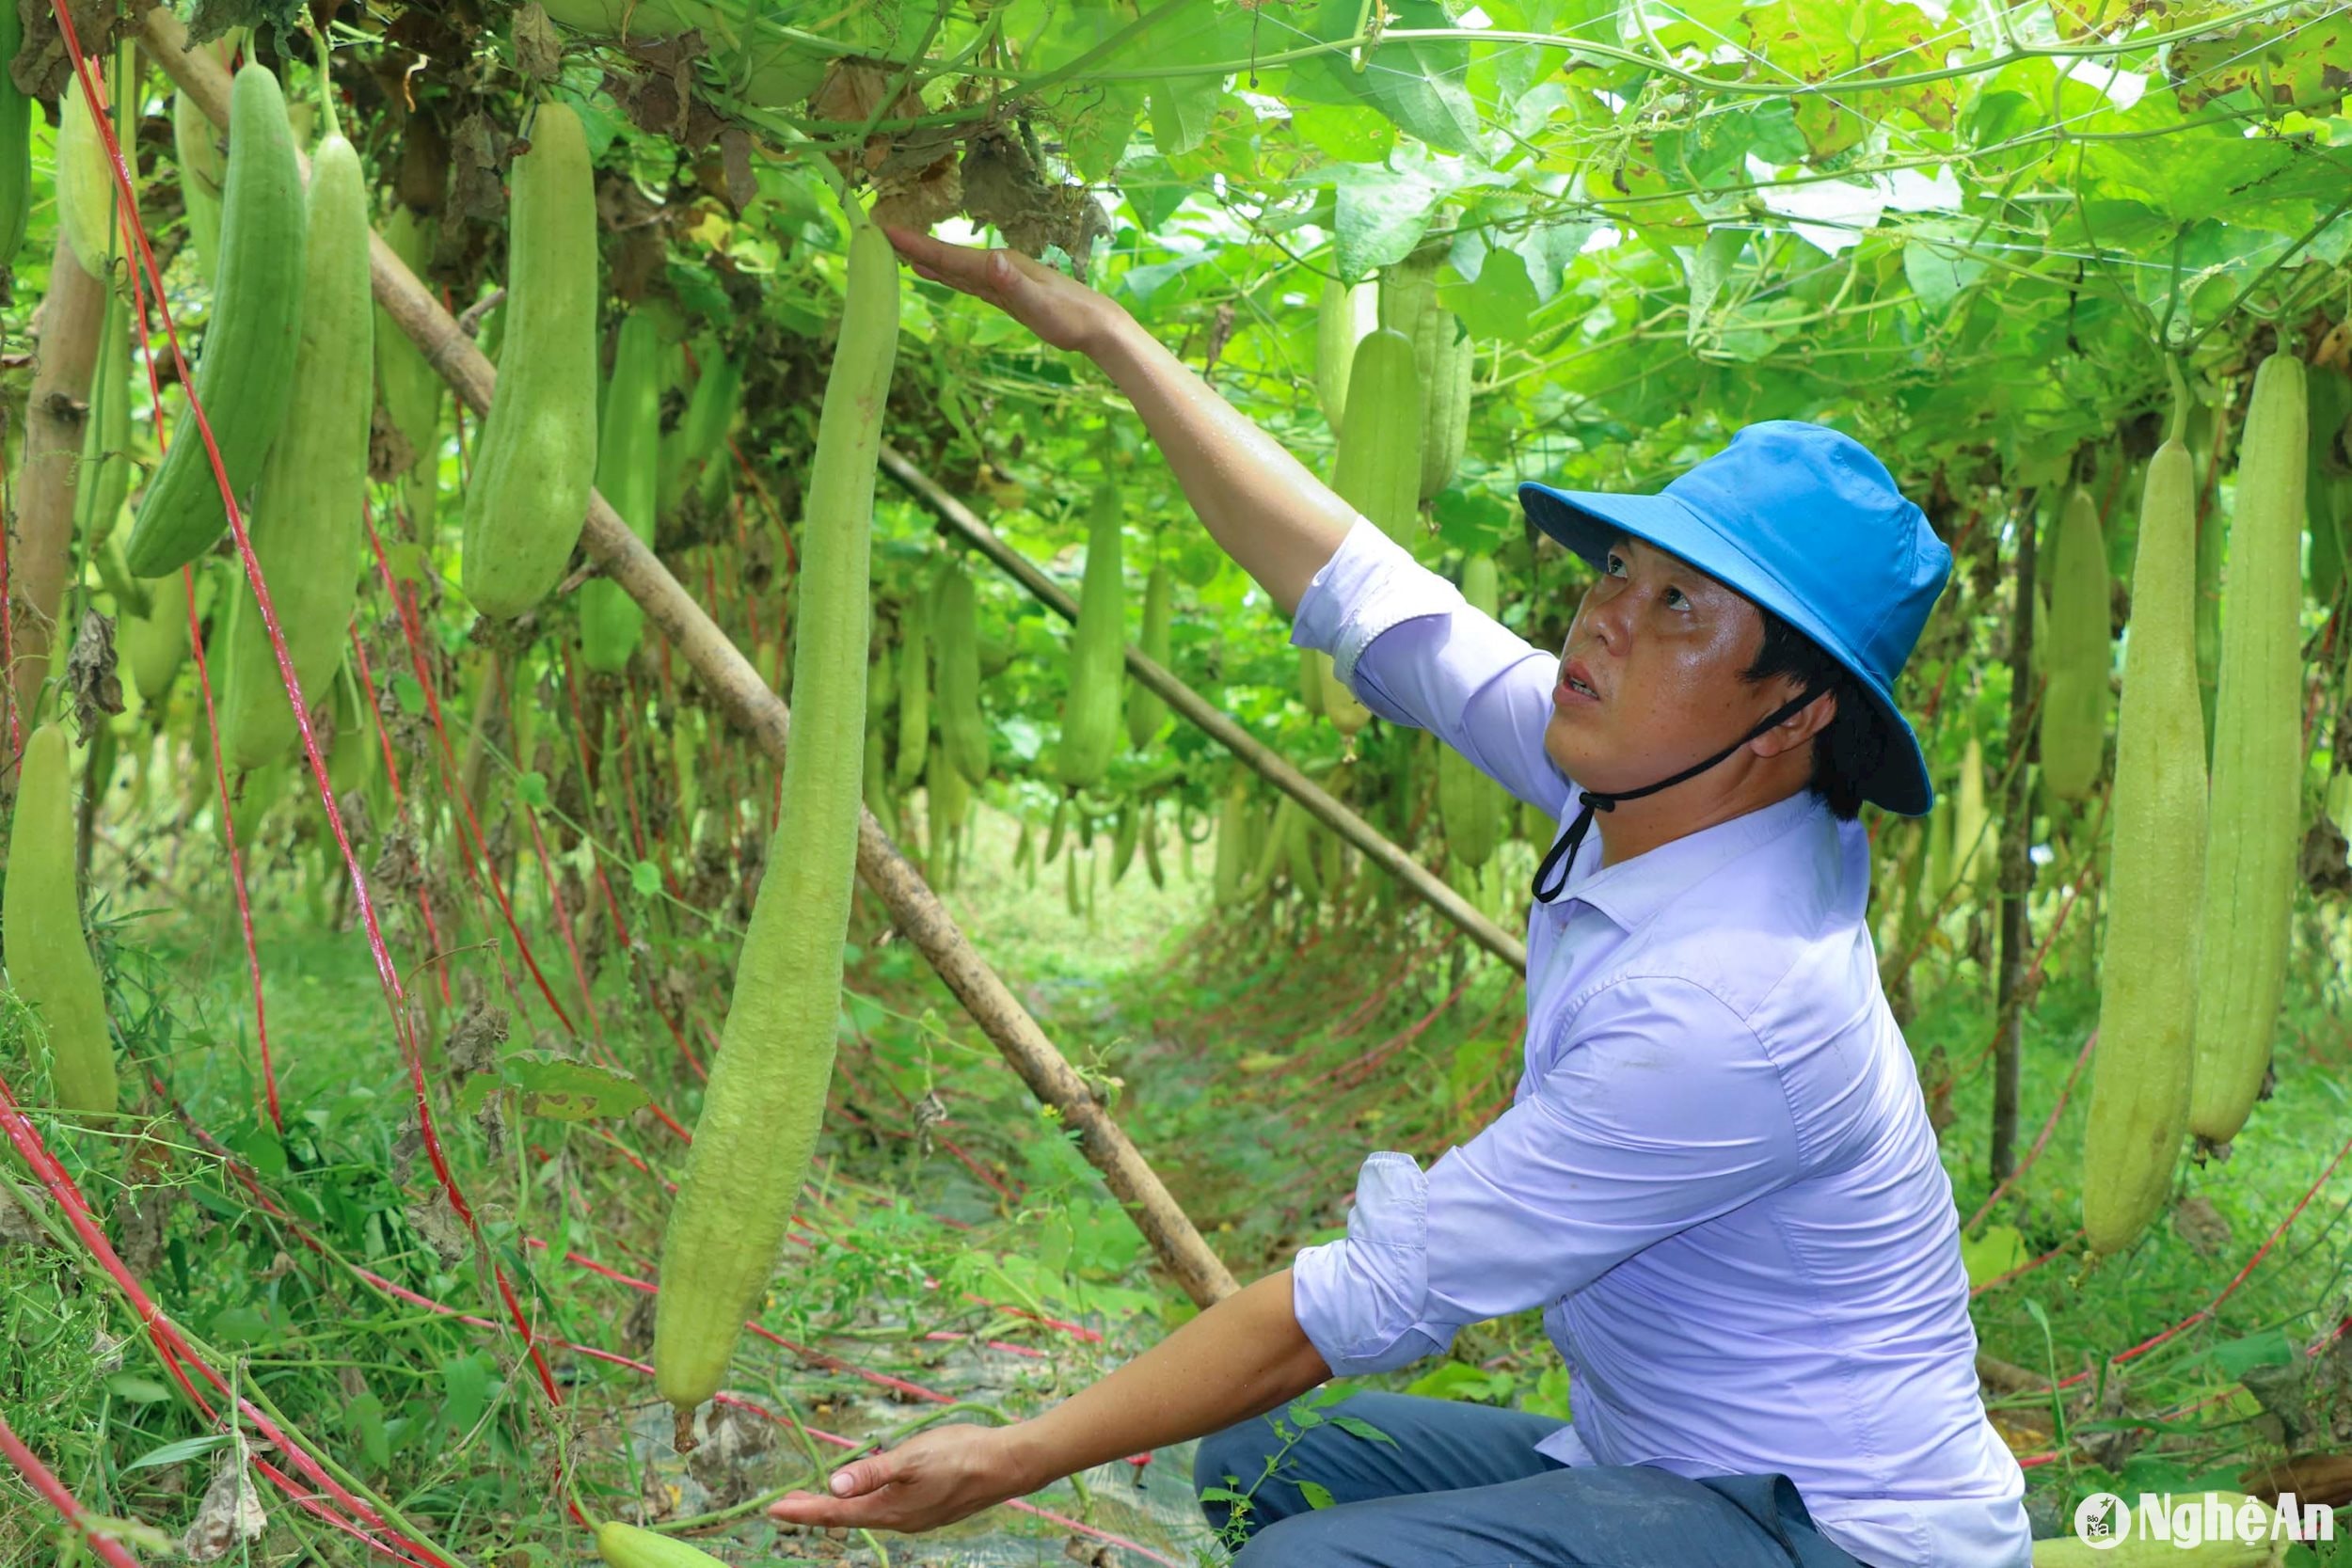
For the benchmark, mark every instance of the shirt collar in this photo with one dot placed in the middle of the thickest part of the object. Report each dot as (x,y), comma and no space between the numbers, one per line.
(1633,890)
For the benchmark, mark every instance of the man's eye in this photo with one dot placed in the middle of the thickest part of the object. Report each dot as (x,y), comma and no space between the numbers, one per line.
(1616,562)
(1674,597)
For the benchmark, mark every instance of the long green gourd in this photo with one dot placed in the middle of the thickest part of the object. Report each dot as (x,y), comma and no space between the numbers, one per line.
(627,1547)
(16,142)
(691,451)
(527,499)
(195,154)
(1975,858)
(411,390)
(1345,315)
(1444,359)
(244,373)
(1470,805)
(1145,708)
(154,642)
(1441,365)
(1232,845)
(2073,727)
(2327,488)
(2250,839)
(766,1099)
(956,631)
(1378,467)
(307,509)
(40,930)
(350,761)
(104,479)
(2139,1087)
(1376,470)
(627,445)
(1091,714)
(914,689)
(84,183)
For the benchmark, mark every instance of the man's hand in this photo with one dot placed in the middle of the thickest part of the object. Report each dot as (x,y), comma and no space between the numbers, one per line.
(1061,309)
(933,1479)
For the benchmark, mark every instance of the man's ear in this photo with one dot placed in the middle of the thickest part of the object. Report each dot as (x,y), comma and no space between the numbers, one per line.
(1800,726)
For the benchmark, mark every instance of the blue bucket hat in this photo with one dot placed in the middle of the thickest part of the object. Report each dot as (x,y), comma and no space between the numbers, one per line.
(1803,521)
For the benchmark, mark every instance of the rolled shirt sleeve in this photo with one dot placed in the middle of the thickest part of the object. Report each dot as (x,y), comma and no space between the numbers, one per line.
(1414,652)
(1664,1111)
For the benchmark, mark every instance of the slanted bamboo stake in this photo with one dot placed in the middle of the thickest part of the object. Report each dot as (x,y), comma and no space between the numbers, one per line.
(1268,763)
(914,910)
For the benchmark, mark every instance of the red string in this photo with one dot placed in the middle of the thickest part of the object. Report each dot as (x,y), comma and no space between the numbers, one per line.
(477,849)
(43,1481)
(236,859)
(392,775)
(387,975)
(179,1358)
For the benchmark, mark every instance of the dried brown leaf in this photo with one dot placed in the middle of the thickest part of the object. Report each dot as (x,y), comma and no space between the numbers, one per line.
(538,52)
(90,672)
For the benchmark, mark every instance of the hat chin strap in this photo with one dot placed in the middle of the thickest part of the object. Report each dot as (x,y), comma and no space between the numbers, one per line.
(1555,869)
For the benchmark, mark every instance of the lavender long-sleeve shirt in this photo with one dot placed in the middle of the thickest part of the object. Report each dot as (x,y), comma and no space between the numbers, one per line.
(1717,1176)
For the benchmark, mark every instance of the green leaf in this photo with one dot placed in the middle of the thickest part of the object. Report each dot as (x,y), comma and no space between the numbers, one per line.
(644,879)
(179,1452)
(1708,267)
(1417,84)
(533,787)
(135,1390)
(1817,39)
(2285,59)
(465,1392)
(410,694)
(1356,1426)
(1458,1380)
(1549,249)
(1380,212)
(1499,303)
(1937,272)
(364,1419)
(405,560)
(1474,521)
(1316,1493)
(2270,1348)
(1096,137)
(1345,134)
(1152,188)
(547,1085)
(1183,109)
(1994,1254)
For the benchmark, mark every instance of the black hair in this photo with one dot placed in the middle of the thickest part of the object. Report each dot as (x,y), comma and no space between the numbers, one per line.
(1846,750)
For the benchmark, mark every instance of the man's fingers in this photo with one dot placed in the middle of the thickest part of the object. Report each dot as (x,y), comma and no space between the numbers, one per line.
(866,1475)
(808,1508)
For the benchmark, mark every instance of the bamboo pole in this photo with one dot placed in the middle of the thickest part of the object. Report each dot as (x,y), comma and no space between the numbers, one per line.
(914,910)
(1264,760)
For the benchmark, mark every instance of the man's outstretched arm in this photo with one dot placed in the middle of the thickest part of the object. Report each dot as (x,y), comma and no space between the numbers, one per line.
(1242,1357)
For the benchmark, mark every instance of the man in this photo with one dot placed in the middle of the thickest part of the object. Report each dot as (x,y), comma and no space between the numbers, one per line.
(1718,1176)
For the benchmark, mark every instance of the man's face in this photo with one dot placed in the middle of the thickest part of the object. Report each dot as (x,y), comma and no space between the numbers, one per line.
(1663,647)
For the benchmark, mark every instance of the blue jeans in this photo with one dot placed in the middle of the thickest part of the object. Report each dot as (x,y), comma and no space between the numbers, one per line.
(1461,1485)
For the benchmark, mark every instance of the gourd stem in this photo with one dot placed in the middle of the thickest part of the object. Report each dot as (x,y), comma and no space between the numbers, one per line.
(326,81)
(2180,398)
